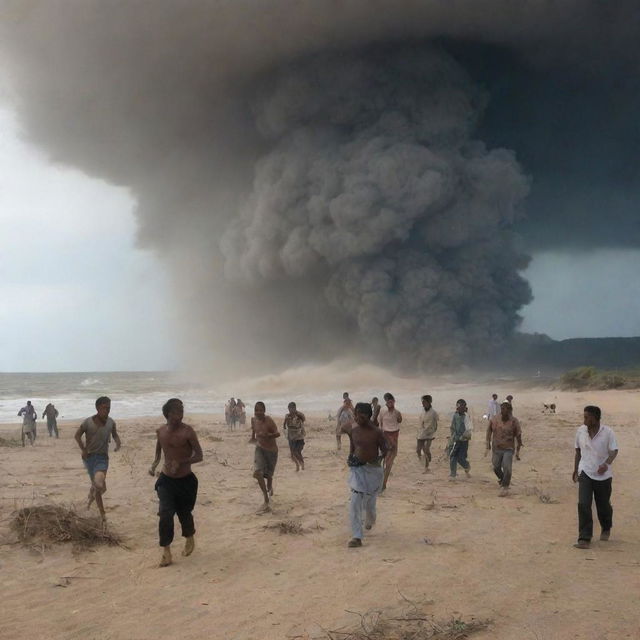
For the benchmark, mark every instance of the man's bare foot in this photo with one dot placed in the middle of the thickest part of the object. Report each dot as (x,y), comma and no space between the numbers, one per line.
(427,470)
(265,508)
(582,544)
(91,498)
(271,492)
(354,542)
(504,492)
(189,546)
(297,468)
(302,465)
(166,559)
(467,473)
(604,536)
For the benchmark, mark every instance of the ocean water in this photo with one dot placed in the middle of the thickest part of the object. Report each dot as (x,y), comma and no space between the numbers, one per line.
(133,394)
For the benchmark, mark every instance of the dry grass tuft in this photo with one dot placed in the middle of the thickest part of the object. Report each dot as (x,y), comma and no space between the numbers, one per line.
(414,625)
(287,527)
(4,442)
(53,524)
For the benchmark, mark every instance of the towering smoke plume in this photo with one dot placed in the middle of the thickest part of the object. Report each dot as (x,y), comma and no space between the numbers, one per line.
(374,190)
(320,176)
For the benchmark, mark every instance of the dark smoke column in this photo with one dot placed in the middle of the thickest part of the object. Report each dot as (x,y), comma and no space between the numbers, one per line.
(375,197)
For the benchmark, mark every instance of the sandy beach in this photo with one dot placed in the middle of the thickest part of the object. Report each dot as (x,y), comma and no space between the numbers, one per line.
(456,549)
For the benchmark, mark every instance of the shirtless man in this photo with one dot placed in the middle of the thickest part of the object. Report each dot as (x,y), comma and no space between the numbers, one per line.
(98,431)
(264,433)
(503,432)
(368,448)
(390,419)
(177,485)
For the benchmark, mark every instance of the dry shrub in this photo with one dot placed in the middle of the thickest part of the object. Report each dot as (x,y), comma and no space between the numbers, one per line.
(52,524)
(414,625)
(291,527)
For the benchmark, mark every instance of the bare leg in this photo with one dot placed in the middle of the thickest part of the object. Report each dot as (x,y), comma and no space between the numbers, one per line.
(388,464)
(338,442)
(263,487)
(270,486)
(100,487)
(91,497)
(427,455)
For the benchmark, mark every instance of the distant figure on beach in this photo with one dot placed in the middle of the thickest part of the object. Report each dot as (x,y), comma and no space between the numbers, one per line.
(596,449)
(293,425)
(264,433)
(51,414)
(344,415)
(427,427)
(98,431)
(375,407)
(509,399)
(461,430)
(503,432)
(231,415)
(368,448)
(389,420)
(177,485)
(494,406)
(241,412)
(29,417)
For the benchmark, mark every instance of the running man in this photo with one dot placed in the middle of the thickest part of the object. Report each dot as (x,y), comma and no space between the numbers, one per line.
(264,433)
(177,485)
(389,420)
(367,448)
(98,431)
(344,415)
(294,426)
(375,407)
(427,427)
(51,413)
(502,433)
(461,429)
(29,415)
(596,449)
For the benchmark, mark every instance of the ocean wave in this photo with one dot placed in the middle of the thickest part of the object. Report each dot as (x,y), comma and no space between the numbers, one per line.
(90,382)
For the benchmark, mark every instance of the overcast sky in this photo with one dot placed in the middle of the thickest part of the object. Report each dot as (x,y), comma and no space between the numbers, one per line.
(72,280)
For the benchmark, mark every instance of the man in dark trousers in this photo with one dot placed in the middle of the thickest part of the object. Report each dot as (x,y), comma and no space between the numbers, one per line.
(177,486)
(596,449)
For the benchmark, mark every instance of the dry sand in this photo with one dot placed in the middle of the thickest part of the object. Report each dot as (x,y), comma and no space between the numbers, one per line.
(508,559)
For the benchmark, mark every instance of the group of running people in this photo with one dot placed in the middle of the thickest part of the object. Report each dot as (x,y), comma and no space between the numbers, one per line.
(235,414)
(373,438)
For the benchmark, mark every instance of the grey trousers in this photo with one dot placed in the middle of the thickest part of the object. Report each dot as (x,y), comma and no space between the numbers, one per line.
(361,502)
(502,460)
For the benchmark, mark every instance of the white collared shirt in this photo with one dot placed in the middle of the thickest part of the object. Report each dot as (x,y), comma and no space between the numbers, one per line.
(594,451)
(494,408)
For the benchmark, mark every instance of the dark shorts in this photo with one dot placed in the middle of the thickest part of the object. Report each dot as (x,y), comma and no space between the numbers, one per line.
(392,438)
(264,462)
(96,462)
(296,445)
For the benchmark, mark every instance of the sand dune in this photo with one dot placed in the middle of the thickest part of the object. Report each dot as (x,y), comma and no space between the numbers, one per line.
(507,559)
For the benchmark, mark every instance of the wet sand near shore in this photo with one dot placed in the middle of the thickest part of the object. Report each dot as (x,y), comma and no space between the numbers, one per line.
(456,547)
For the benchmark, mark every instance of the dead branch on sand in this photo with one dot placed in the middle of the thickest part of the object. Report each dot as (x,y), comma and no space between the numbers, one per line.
(54,524)
(292,527)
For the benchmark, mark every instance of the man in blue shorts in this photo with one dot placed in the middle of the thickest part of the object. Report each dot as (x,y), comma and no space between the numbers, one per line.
(98,431)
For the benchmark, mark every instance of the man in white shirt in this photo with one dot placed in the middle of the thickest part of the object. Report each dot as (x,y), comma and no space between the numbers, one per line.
(596,449)
(494,406)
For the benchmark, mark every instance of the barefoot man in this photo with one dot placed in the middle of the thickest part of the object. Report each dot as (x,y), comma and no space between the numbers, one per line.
(368,449)
(98,431)
(389,420)
(294,426)
(264,433)
(177,485)
(427,427)
(503,432)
